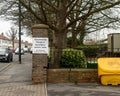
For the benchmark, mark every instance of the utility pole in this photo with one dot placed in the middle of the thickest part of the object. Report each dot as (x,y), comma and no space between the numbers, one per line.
(19,5)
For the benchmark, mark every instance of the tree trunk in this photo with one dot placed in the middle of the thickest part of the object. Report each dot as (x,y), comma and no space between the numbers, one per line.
(74,39)
(82,32)
(59,45)
(13,44)
(60,35)
(82,35)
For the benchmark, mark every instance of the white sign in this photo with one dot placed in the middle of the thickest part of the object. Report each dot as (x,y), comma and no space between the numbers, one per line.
(40,45)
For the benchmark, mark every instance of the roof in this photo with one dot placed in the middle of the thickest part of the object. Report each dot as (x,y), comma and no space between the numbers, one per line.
(3,37)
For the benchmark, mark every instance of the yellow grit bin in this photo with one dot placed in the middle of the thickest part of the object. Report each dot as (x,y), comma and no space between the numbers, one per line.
(109,71)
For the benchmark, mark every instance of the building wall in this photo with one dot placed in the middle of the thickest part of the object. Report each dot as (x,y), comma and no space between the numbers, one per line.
(0,43)
(6,42)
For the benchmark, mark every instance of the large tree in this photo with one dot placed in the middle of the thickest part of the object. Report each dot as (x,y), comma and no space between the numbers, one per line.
(12,34)
(108,18)
(55,13)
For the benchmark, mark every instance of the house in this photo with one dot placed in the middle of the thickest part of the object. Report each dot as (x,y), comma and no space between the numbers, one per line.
(4,41)
(25,44)
(16,44)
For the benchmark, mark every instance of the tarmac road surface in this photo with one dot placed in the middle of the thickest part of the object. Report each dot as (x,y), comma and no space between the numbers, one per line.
(82,89)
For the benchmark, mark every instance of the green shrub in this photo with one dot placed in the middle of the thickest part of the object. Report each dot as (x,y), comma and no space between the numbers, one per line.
(72,58)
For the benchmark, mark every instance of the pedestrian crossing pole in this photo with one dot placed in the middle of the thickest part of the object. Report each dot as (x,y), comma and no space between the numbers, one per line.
(19,5)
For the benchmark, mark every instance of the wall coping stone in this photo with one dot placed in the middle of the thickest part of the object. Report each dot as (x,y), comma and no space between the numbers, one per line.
(40,26)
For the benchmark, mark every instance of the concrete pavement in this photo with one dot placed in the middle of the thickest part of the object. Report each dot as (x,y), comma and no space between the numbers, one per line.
(15,79)
(3,65)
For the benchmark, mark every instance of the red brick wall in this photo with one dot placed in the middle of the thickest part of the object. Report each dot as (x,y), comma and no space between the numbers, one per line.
(72,76)
(39,61)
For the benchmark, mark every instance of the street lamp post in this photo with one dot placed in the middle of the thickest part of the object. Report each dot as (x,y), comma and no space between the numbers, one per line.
(19,32)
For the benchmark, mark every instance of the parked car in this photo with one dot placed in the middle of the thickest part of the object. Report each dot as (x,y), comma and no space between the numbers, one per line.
(25,50)
(17,51)
(6,54)
(31,50)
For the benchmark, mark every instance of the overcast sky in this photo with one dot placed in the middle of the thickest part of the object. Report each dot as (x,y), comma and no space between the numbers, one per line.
(5,27)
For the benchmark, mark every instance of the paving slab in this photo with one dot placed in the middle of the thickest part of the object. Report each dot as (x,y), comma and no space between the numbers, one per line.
(24,90)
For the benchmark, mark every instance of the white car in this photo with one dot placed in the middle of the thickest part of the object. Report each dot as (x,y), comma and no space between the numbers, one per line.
(25,49)
(17,51)
(31,50)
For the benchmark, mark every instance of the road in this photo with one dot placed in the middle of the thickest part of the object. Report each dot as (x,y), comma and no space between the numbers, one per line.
(82,89)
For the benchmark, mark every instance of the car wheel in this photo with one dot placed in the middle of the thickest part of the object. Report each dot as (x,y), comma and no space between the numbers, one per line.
(8,60)
(11,59)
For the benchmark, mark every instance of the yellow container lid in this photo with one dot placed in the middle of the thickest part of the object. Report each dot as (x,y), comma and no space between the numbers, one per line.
(108,66)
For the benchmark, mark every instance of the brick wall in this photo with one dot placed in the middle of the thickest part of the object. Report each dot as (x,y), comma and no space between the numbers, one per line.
(72,76)
(39,60)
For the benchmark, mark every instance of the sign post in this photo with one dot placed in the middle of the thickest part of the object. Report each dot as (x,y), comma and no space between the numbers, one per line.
(19,32)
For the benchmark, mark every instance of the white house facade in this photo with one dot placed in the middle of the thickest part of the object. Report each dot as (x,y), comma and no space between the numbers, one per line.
(6,42)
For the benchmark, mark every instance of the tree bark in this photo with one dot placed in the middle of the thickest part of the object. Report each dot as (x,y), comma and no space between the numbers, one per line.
(82,35)
(74,39)
(82,31)
(60,35)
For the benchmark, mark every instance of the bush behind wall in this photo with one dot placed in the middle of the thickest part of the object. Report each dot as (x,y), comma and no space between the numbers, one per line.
(72,58)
